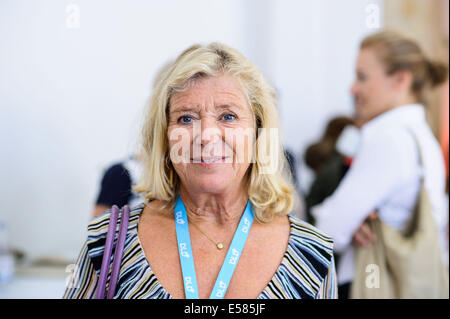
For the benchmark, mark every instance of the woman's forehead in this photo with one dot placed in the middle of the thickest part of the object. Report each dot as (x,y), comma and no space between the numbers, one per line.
(222,91)
(368,58)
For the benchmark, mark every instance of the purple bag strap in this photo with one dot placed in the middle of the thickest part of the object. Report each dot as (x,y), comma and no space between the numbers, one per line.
(107,252)
(104,270)
(119,252)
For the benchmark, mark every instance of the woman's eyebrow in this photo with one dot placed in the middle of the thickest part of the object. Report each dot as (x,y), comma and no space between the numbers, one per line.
(185,108)
(228,106)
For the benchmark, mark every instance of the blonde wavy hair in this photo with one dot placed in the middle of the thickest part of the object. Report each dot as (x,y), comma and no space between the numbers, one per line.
(271,193)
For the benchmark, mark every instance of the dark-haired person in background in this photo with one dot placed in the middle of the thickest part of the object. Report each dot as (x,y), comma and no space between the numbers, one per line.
(328,164)
(116,186)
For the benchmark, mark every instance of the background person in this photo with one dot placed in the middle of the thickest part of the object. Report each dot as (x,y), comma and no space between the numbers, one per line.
(116,187)
(328,164)
(391,75)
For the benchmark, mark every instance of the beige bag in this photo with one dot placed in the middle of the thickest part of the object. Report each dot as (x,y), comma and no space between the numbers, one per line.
(402,265)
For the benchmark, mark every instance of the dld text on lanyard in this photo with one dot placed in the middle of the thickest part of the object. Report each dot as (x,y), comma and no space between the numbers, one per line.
(187,260)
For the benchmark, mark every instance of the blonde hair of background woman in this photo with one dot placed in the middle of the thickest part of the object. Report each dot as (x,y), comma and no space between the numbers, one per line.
(400,53)
(272,194)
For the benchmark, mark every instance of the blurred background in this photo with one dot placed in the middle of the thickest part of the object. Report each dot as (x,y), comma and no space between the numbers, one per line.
(75,76)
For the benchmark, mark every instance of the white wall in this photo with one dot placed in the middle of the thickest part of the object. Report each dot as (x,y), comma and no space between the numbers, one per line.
(313,48)
(71,99)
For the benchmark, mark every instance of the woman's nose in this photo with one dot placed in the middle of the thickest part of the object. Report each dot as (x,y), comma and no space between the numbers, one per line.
(353,89)
(207,131)
(207,139)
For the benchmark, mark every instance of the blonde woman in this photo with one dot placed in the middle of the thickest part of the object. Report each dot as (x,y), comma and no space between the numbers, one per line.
(392,76)
(214,223)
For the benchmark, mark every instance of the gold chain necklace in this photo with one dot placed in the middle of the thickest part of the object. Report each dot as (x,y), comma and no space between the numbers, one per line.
(218,245)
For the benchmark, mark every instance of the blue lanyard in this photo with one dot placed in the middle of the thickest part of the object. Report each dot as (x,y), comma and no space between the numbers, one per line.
(187,260)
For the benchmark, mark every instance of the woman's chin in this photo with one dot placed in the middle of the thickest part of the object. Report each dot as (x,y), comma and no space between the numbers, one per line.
(209,184)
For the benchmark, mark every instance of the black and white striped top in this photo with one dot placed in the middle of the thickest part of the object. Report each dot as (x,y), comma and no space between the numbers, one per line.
(306,271)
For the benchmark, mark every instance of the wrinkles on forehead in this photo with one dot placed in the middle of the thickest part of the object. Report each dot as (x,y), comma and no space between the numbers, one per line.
(209,92)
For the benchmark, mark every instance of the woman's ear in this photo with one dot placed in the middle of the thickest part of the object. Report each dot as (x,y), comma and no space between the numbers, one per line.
(402,80)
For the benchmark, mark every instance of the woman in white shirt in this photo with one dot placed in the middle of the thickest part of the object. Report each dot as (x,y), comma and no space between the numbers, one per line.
(392,73)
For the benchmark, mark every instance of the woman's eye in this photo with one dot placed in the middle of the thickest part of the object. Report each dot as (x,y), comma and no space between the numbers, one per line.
(185,119)
(229,117)
(361,77)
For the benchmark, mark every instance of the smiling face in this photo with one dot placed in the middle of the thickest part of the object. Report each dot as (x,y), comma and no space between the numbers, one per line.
(211,134)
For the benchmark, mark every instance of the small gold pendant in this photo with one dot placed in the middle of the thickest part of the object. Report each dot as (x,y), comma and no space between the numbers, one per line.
(219,246)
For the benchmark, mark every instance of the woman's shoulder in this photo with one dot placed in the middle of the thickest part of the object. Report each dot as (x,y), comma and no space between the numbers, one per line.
(307,231)
(307,263)
(98,226)
(310,243)
(97,231)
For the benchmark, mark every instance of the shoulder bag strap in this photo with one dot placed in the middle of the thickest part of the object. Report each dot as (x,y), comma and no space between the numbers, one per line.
(104,270)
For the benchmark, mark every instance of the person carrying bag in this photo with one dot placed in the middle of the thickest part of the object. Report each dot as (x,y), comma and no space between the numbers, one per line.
(392,76)
(405,264)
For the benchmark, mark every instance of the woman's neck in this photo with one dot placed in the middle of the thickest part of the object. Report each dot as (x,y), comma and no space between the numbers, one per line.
(410,99)
(219,209)
(405,99)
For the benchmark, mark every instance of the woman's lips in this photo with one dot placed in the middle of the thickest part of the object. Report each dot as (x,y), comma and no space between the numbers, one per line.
(209,160)
(359,102)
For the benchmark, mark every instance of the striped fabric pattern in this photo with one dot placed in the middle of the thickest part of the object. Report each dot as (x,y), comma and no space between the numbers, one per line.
(306,271)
